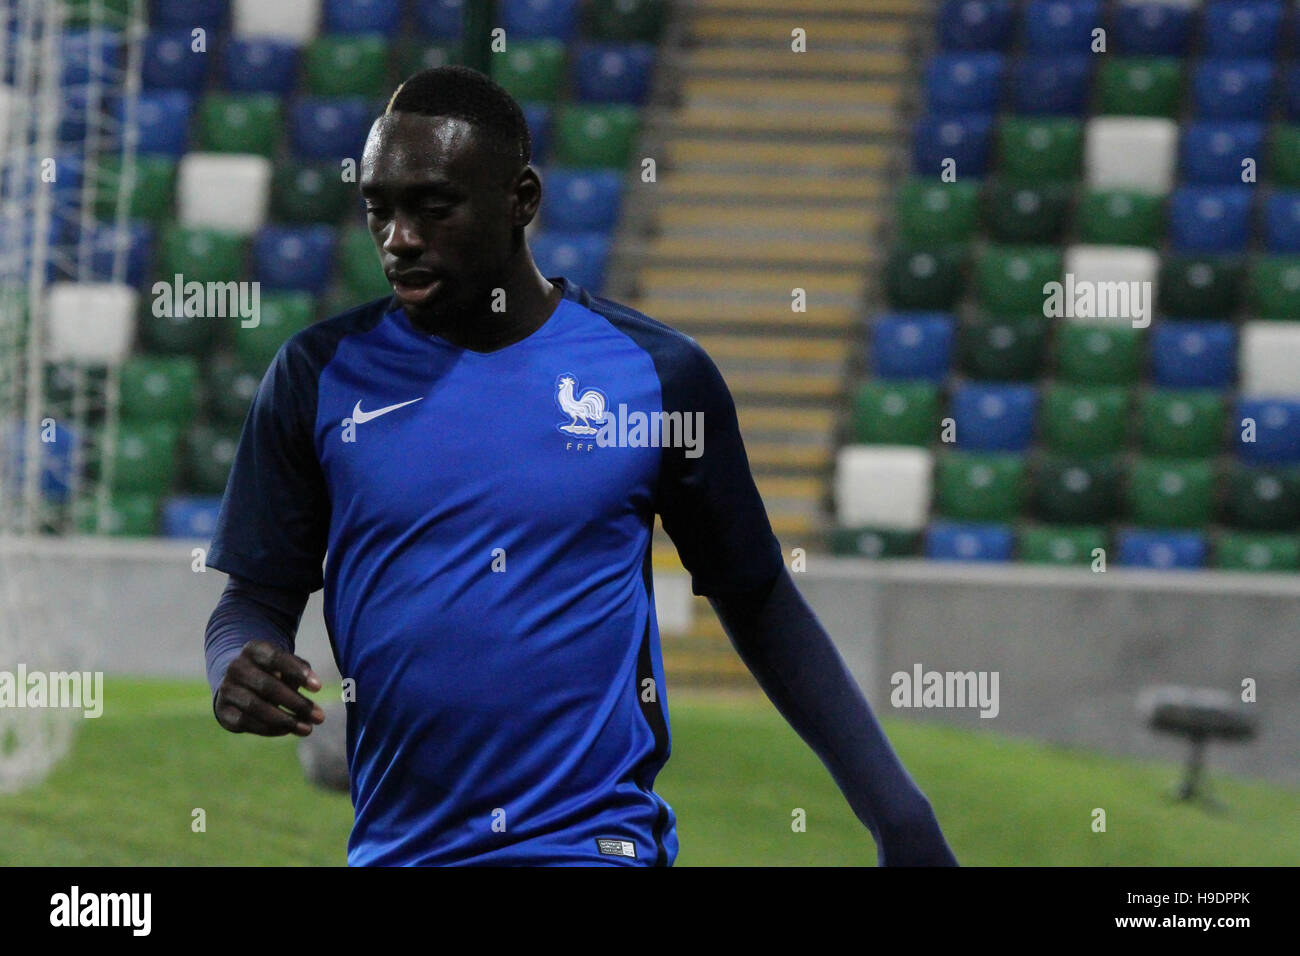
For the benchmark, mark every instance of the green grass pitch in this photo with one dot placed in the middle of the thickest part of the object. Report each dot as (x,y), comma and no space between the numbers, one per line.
(125,796)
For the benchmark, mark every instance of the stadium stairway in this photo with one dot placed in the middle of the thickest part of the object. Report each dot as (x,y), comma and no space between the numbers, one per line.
(773,174)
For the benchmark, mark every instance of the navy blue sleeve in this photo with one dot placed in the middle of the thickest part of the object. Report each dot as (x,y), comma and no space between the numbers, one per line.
(249,611)
(792,657)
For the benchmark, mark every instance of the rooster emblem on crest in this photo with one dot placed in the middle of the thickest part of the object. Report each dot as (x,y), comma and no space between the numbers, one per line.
(586,408)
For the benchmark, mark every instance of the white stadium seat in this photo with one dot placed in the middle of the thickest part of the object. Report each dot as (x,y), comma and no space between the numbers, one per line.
(294,20)
(226,191)
(1112,264)
(883,486)
(1130,152)
(90,323)
(1269,359)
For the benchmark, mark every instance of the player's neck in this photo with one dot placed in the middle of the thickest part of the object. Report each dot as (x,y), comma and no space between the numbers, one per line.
(530,299)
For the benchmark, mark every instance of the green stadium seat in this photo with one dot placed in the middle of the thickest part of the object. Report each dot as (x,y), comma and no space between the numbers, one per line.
(347,65)
(1037,149)
(358,269)
(231,385)
(281,315)
(1253,551)
(924,278)
(1121,217)
(1140,86)
(159,389)
(1194,286)
(1060,544)
(627,20)
(1009,280)
(311,192)
(424,54)
(980,487)
(1284,155)
(200,255)
(240,123)
(1263,499)
(1023,212)
(1180,424)
(873,543)
(152,195)
(1099,353)
(127,515)
(87,13)
(209,453)
(1003,349)
(531,70)
(932,213)
(1084,419)
(1073,490)
(1171,492)
(896,413)
(595,135)
(145,457)
(178,334)
(1273,287)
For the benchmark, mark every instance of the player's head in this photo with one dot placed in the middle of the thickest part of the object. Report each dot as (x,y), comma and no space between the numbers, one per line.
(448,189)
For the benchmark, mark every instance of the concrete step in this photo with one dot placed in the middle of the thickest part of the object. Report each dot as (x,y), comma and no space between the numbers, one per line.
(858,32)
(740,61)
(773,218)
(807,158)
(754,250)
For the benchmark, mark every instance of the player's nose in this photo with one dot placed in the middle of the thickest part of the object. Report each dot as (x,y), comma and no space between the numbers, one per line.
(403,240)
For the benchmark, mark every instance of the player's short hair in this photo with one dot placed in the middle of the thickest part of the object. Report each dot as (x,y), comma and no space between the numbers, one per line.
(467,94)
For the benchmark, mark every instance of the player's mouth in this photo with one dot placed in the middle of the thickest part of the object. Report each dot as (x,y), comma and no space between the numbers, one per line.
(416,286)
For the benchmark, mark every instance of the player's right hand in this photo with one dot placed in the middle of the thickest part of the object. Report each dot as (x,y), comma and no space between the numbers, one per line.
(259,694)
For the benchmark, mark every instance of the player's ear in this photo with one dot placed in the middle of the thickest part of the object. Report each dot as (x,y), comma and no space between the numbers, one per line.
(526,196)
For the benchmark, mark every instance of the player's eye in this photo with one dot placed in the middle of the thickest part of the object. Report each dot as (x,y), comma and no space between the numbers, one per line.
(435,212)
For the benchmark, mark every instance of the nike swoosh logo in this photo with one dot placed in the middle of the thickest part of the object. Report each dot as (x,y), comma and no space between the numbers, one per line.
(360,418)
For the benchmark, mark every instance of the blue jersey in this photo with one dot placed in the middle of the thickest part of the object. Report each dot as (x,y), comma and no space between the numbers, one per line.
(481,524)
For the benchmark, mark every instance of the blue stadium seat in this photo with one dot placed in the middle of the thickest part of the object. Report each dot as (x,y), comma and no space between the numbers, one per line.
(975,24)
(1241,27)
(581,256)
(259,65)
(1146,548)
(1233,89)
(912,345)
(964,82)
(438,18)
(78,49)
(994,417)
(329,128)
(1277,431)
(965,139)
(212,15)
(74,114)
(1060,26)
(362,16)
(1212,151)
(525,19)
(163,120)
(1054,85)
(294,257)
(1209,218)
(1290,93)
(1193,354)
(582,200)
(1151,29)
(968,541)
(190,517)
(56,459)
(613,72)
(1282,222)
(104,241)
(538,118)
(170,62)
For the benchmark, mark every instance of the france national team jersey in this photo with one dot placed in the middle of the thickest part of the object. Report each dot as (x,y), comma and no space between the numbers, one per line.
(488,519)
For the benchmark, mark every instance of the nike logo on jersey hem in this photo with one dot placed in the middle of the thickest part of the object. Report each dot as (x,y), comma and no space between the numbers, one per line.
(360,418)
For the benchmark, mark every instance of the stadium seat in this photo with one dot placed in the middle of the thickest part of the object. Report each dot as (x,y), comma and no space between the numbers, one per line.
(595,135)
(132,246)
(159,389)
(1073,490)
(1004,349)
(280,316)
(924,279)
(294,20)
(1180,424)
(358,269)
(185,516)
(538,116)
(896,413)
(362,16)
(1241,27)
(200,254)
(1009,279)
(231,385)
(1156,28)
(915,345)
(309,192)
(90,53)
(1018,213)
(239,123)
(152,193)
(1060,544)
(145,457)
(1193,354)
(1210,218)
(994,417)
(1273,287)
(969,541)
(328,128)
(209,453)
(613,72)
(1171,493)
(932,212)
(227,191)
(1084,420)
(626,20)
(883,487)
(171,63)
(1213,152)
(347,65)
(294,258)
(965,140)
(531,70)
(1121,217)
(106,340)
(1037,148)
(1163,550)
(1262,499)
(420,53)
(1059,26)
(1196,285)
(975,24)
(1270,355)
(178,333)
(527,19)
(162,119)
(1124,152)
(966,82)
(438,18)
(1121,278)
(1276,431)
(1252,551)
(259,65)
(1233,89)
(125,515)
(1140,86)
(979,487)
(1106,353)
(873,543)
(581,199)
(211,15)
(1053,85)
(1282,222)
(581,256)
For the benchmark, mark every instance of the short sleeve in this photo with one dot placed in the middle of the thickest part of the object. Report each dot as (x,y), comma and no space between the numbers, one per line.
(273,526)
(708,501)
